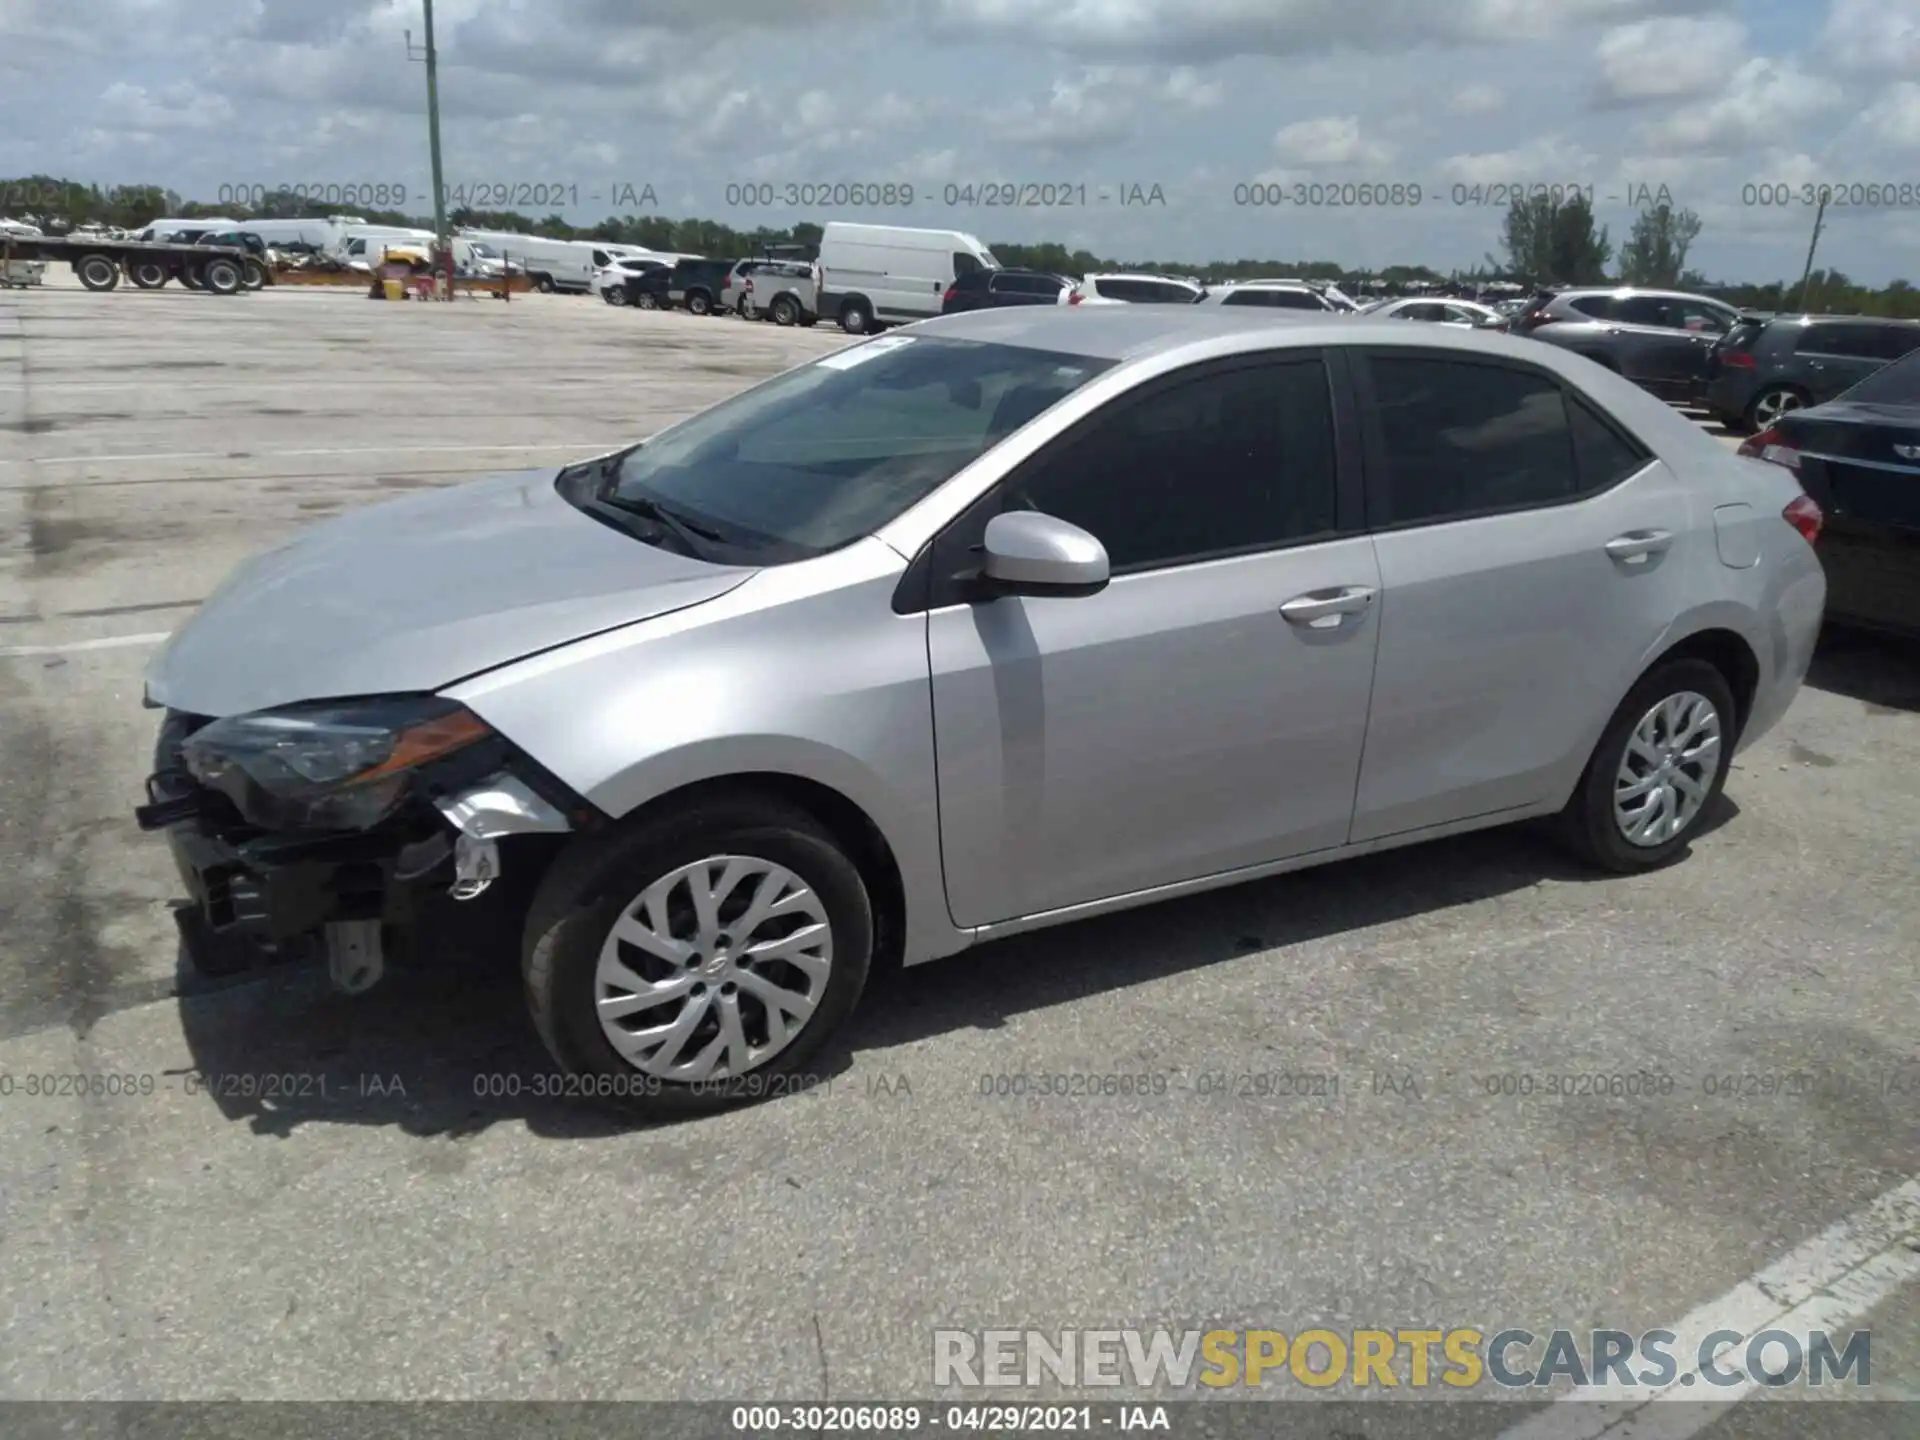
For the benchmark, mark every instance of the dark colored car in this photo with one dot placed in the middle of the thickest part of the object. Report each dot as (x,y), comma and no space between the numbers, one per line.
(996,289)
(1659,339)
(1768,365)
(647,290)
(697,284)
(1858,458)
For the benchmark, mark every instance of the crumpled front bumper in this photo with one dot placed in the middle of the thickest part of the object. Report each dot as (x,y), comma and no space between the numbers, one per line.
(253,896)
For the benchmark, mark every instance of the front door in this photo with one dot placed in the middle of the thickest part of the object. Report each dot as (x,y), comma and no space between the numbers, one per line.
(1206,710)
(1531,556)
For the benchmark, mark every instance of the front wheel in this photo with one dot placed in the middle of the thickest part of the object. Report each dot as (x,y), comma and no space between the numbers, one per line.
(614,295)
(1656,771)
(856,318)
(786,310)
(699,960)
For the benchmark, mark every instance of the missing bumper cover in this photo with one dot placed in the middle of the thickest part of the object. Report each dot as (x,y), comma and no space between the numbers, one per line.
(500,805)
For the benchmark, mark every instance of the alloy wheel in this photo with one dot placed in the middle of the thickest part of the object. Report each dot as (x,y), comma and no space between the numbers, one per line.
(1668,769)
(713,969)
(1773,404)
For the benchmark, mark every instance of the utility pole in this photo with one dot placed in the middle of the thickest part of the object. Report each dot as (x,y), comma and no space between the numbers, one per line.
(432,58)
(1806,276)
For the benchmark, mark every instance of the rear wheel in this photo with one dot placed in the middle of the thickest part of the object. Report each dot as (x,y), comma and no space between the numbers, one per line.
(700,959)
(614,295)
(222,276)
(1656,771)
(256,275)
(646,300)
(1771,403)
(699,302)
(786,310)
(544,284)
(190,275)
(97,272)
(147,274)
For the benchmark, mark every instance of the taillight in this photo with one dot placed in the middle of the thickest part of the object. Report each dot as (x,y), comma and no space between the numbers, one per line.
(1805,516)
(1738,360)
(1074,297)
(952,290)
(1773,447)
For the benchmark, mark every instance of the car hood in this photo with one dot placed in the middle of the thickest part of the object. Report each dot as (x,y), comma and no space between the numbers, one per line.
(417,593)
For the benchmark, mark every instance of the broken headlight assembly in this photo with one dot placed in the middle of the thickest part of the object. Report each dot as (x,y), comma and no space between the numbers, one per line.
(342,765)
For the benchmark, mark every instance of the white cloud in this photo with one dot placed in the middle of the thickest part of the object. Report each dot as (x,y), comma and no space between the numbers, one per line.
(1873,36)
(1674,58)
(1330,140)
(1101,105)
(1894,119)
(1220,28)
(1477,100)
(1760,99)
(1549,160)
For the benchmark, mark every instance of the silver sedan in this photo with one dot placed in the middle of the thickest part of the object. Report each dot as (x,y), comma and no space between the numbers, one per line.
(1016,617)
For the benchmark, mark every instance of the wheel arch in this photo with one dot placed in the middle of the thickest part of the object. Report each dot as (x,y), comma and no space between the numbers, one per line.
(1729,652)
(857,832)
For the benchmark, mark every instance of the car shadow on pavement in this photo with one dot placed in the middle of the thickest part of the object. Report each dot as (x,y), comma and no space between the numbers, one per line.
(447,1050)
(985,987)
(1882,672)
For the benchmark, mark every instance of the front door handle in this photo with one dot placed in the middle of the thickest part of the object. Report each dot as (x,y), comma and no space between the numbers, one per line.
(1324,609)
(1636,546)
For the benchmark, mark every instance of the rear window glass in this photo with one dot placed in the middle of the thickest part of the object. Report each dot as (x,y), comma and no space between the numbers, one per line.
(1896,384)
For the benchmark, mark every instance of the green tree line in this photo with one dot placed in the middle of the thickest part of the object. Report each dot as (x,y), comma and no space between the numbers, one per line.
(1544,240)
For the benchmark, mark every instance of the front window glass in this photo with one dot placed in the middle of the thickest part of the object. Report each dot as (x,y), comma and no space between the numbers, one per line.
(818,457)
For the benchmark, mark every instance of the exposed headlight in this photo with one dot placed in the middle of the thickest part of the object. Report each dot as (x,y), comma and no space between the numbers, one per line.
(338,765)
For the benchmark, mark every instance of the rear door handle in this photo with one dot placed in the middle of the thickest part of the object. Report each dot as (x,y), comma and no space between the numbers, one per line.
(1636,546)
(1324,609)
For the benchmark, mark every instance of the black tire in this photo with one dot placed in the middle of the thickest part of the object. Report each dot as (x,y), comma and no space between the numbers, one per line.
(190,275)
(1587,824)
(646,300)
(856,317)
(1791,397)
(147,274)
(614,295)
(699,302)
(256,276)
(544,284)
(785,310)
(97,272)
(221,276)
(587,890)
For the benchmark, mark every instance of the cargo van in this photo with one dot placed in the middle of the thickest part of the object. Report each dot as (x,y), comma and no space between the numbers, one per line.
(875,275)
(554,264)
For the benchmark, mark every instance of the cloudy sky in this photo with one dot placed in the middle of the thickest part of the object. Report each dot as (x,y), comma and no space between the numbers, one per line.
(1197,97)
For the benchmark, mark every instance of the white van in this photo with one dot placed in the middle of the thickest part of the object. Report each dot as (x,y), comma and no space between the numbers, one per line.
(874,275)
(361,246)
(554,264)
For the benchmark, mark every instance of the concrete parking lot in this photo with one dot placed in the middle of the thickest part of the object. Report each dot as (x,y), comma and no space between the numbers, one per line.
(387,1224)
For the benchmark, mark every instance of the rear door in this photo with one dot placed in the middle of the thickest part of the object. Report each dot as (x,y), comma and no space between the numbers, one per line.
(1023,290)
(1531,553)
(1653,347)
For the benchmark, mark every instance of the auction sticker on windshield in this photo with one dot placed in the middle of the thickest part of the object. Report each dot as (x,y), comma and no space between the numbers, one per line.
(859,354)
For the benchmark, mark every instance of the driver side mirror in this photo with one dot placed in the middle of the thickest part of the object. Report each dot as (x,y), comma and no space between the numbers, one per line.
(1028,553)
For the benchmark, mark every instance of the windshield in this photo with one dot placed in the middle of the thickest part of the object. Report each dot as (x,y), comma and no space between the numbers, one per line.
(485,252)
(1895,384)
(818,457)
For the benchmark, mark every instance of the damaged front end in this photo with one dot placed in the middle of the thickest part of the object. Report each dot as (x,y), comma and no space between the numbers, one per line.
(348,828)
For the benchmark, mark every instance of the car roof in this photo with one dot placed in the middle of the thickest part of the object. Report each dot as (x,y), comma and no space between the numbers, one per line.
(1137,332)
(1135,275)
(1838,320)
(1572,291)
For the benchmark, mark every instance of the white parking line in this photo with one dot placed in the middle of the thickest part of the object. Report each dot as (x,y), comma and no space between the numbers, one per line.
(572,446)
(1825,1284)
(109,642)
